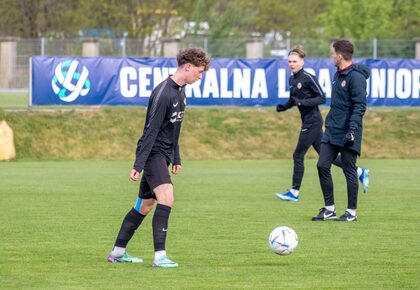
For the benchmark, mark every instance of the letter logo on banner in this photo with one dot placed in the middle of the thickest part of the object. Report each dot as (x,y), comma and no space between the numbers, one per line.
(68,84)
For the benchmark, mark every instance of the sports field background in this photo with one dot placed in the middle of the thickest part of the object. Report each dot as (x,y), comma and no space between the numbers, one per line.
(63,199)
(60,218)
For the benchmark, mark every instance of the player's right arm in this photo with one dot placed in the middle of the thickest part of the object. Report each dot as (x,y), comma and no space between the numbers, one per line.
(158,111)
(134,174)
(290,102)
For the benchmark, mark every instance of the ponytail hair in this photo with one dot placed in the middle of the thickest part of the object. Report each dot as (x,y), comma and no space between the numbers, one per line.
(297,50)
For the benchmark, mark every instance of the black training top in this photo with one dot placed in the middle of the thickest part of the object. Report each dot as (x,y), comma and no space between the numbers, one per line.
(163,124)
(306,90)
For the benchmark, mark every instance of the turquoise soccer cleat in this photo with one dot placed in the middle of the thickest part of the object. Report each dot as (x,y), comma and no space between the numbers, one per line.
(164,262)
(126,258)
(288,196)
(364,179)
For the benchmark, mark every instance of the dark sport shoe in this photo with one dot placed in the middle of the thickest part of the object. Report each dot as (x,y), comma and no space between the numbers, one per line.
(324,214)
(347,217)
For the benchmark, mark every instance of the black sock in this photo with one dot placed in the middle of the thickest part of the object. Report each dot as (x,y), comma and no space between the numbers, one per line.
(160,226)
(129,226)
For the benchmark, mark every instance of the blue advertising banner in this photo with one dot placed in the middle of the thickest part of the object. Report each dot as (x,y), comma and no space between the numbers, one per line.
(229,82)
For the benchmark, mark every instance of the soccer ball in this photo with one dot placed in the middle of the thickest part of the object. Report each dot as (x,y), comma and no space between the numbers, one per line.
(283,241)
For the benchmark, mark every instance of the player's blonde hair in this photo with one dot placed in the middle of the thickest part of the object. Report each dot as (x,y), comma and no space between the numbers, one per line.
(298,50)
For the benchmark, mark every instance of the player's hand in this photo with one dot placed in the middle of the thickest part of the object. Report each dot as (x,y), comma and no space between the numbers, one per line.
(134,175)
(297,101)
(176,169)
(280,108)
(349,138)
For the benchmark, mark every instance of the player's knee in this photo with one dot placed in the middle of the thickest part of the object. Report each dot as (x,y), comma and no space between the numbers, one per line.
(144,210)
(298,156)
(350,172)
(167,199)
(322,166)
(164,194)
(146,207)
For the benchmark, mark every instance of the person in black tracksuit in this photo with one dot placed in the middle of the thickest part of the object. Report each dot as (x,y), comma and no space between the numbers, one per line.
(156,150)
(343,130)
(306,94)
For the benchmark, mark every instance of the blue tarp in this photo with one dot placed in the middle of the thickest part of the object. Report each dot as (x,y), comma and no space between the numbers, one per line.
(229,82)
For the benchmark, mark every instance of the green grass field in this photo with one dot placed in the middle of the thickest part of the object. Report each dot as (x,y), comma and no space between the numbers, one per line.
(14,99)
(60,218)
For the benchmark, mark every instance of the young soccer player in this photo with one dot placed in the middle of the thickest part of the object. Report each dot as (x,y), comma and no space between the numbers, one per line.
(157,148)
(306,94)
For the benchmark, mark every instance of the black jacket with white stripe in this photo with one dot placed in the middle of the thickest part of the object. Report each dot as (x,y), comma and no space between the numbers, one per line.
(306,94)
(162,127)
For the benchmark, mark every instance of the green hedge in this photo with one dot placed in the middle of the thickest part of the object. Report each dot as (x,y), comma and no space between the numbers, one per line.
(207,133)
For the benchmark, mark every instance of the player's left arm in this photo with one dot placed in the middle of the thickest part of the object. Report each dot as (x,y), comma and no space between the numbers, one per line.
(176,169)
(357,90)
(158,113)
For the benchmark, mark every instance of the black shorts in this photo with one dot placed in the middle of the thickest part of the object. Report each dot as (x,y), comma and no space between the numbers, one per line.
(155,173)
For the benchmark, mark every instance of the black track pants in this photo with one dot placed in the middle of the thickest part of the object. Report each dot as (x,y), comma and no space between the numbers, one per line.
(310,135)
(327,155)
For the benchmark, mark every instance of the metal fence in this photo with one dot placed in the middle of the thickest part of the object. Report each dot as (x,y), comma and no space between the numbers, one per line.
(234,48)
(375,48)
